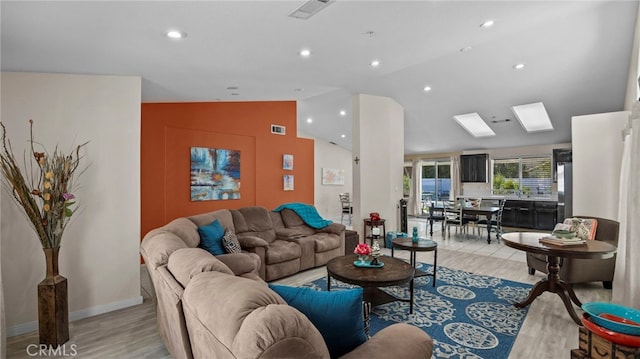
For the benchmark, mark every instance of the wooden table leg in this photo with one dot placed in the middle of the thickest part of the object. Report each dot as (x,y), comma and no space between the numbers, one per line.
(435,265)
(489,215)
(553,284)
(411,296)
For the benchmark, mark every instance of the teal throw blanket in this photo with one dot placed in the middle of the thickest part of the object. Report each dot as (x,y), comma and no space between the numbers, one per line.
(308,213)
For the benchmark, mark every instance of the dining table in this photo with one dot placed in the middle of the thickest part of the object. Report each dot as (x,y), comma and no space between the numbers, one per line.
(488,211)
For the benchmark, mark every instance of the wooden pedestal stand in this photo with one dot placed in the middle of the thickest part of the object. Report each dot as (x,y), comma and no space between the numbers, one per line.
(53,309)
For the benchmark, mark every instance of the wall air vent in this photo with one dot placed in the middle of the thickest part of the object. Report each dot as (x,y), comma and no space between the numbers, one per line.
(278,130)
(310,8)
(333,143)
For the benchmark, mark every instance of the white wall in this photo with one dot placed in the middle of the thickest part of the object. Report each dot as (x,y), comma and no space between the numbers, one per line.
(327,200)
(597,155)
(378,140)
(99,254)
(633,92)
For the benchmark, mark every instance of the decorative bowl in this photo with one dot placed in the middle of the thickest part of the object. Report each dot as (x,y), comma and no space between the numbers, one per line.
(563,233)
(615,317)
(619,338)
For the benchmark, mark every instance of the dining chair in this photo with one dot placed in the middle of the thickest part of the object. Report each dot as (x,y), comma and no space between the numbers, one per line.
(496,220)
(453,217)
(347,208)
(472,219)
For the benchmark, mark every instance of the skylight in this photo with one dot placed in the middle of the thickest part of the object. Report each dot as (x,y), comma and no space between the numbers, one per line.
(474,124)
(533,117)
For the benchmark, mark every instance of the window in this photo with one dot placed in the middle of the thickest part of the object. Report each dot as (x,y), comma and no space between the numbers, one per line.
(436,181)
(406,181)
(522,176)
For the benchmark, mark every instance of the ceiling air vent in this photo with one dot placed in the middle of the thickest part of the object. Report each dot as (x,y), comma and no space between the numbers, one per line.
(278,130)
(310,8)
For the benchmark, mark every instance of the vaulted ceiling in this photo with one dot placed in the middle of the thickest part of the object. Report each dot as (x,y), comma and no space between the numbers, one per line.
(576,56)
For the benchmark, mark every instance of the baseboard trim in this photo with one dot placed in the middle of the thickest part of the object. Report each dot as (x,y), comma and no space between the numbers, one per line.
(79,314)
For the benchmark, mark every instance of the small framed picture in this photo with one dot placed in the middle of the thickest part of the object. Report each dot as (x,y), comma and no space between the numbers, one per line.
(288,182)
(287,162)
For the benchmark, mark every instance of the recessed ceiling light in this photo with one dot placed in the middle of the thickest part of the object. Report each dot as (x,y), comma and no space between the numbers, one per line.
(343,135)
(305,53)
(519,66)
(176,34)
(427,88)
(474,124)
(309,120)
(375,63)
(487,23)
(343,113)
(533,117)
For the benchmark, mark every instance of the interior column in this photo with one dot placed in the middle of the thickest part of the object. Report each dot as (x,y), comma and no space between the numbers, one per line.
(378,158)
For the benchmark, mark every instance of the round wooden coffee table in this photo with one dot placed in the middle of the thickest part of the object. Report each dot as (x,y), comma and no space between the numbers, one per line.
(394,272)
(422,245)
(528,242)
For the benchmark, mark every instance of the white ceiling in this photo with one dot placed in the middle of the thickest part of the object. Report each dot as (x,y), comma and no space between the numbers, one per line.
(577,55)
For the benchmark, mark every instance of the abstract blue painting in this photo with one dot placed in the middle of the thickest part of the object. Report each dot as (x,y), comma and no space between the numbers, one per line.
(215,174)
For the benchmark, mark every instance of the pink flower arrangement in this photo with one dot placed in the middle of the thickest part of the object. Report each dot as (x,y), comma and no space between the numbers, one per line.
(362,249)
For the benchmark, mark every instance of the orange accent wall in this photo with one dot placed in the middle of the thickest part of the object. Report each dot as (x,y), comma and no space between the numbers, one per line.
(169,130)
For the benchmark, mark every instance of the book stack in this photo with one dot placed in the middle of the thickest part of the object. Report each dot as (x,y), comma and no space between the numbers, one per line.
(557,241)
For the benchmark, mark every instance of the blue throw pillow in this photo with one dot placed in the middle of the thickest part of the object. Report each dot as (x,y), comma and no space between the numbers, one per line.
(211,238)
(336,314)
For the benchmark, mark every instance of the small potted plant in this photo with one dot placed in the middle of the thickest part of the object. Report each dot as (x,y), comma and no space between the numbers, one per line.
(362,251)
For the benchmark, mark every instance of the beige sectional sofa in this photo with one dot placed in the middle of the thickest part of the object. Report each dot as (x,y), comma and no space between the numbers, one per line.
(247,320)
(221,307)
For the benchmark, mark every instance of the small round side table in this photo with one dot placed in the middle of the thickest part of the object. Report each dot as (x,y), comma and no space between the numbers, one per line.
(422,245)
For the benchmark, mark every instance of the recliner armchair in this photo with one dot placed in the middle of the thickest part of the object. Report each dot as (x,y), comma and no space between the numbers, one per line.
(574,270)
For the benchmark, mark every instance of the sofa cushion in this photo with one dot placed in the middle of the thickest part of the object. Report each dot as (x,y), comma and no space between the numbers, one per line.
(282,251)
(186,230)
(585,228)
(230,242)
(337,314)
(254,221)
(326,242)
(185,263)
(291,218)
(222,215)
(211,238)
(158,245)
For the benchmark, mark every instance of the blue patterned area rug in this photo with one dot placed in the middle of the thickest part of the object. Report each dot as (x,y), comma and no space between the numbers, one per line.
(467,315)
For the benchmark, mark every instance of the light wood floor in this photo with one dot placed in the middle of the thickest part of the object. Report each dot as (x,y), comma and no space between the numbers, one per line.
(547,332)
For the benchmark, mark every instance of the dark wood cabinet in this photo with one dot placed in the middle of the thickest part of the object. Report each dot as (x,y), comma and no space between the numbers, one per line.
(545,215)
(473,168)
(530,214)
(524,214)
(509,215)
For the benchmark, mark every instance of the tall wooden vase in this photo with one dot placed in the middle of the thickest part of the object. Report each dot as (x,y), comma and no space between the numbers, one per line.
(53,308)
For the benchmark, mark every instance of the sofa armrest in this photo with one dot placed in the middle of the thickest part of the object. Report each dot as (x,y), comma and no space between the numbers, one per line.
(399,340)
(252,242)
(335,228)
(241,263)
